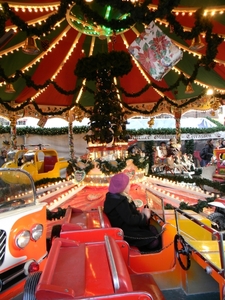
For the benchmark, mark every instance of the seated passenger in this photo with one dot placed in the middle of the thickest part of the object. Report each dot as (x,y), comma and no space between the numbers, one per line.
(123,213)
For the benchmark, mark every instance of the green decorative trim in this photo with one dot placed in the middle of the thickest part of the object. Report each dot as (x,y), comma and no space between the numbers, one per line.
(87,166)
(134,132)
(198,208)
(108,168)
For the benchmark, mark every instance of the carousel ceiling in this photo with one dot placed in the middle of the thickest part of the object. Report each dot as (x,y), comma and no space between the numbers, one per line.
(41,43)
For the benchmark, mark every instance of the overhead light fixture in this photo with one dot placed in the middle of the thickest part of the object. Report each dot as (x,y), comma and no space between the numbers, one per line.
(196,44)
(30,46)
(189,89)
(9,88)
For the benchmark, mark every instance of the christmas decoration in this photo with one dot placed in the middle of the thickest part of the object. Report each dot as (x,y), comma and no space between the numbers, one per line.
(108,118)
(79,176)
(155,51)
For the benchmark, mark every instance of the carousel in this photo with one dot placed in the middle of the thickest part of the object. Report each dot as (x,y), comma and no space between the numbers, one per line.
(108,61)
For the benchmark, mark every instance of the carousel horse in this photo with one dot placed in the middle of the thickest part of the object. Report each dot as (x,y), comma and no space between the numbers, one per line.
(158,165)
(188,162)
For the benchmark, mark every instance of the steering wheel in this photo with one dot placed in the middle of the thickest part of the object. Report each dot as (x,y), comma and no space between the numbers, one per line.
(181,248)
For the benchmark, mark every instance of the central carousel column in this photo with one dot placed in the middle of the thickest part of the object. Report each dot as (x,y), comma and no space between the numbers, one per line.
(70,135)
(177,115)
(13,137)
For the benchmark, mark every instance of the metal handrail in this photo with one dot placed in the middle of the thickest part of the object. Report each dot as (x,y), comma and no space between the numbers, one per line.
(112,264)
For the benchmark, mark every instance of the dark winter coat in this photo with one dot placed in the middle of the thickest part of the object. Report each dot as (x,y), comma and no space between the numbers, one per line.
(125,215)
(208,152)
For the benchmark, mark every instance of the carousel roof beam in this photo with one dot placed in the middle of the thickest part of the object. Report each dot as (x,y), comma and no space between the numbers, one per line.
(191,10)
(35,6)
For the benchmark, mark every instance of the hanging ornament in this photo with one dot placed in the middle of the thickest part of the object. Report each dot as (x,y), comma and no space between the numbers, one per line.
(158,60)
(9,88)
(151,122)
(189,89)
(196,44)
(30,46)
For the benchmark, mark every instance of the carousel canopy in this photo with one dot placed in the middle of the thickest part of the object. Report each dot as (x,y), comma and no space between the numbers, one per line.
(162,55)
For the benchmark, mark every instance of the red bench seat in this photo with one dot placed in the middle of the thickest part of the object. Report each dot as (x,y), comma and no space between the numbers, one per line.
(93,270)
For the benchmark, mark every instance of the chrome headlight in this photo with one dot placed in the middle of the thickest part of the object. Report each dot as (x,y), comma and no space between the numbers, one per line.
(22,239)
(36,232)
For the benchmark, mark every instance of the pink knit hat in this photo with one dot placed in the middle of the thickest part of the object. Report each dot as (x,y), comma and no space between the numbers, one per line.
(118,183)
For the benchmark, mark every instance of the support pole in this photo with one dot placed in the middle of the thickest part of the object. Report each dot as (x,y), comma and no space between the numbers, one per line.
(177,115)
(13,137)
(70,135)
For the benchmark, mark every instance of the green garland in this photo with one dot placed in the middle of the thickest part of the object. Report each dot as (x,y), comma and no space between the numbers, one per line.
(198,208)
(118,62)
(132,132)
(107,168)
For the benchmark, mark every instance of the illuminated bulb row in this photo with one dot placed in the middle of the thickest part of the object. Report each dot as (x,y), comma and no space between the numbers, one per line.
(197,82)
(59,39)
(162,193)
(139,177)
(168,183)
(34,8)
(62,198)
(185,11)
(52,187)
